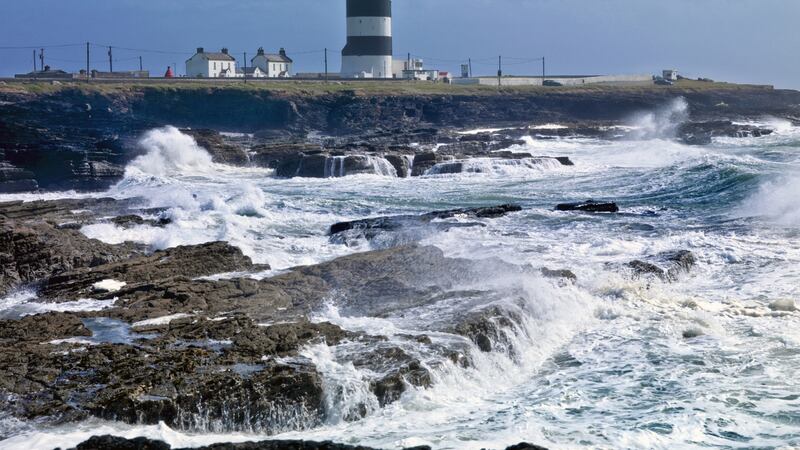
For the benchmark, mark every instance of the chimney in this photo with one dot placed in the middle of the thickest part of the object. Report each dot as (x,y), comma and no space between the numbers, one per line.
(282,52)
(260,51)
(200,50)
(225,51)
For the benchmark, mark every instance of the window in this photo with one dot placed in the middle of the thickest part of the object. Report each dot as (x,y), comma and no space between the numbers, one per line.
(215,66)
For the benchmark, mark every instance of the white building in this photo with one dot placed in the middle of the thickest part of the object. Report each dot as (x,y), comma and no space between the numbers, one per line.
(671,75)
(400,66)
(273,66)
(211,65)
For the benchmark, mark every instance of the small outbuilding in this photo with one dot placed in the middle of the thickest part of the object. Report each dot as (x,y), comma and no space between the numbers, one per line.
(273,65)
(670,75)
(47,73)
(251,72)
(211,64)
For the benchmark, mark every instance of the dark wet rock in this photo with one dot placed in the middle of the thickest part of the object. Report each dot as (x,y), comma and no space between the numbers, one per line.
(674,264)
(190,395)
(117,443)
(14,179)
(132,220)
(281,154)
(565,161)
(304,166)
(563,274)
(210,373)
(371,283)
(692,333)
(185,261)
(326,165)
(413,226)
(128,221)
(643,268)
(82,210)
(702,133)
(488,328)
(783,305)
(192,383)
(681,260)
(426,160)
(81,138)
(42,328)
(589,206)
(525,446)
(402,164)
(35,251)
(222,152)
(396,368)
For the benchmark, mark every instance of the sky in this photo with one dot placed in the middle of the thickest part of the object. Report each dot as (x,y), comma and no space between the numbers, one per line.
(753,41)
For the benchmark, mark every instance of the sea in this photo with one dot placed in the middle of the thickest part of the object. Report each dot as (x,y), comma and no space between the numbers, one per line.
(707,360)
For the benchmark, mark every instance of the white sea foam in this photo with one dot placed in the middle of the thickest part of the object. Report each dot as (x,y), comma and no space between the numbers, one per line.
(109,285)
(25,303)
(164,320)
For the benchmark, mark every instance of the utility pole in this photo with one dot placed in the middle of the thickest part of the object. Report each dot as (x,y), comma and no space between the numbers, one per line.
(41,57)
(88,75)
(499,71)
(470,67)
(110,61)
(34,60)
(244,71)
(543,70)
(140,65)
(326,64)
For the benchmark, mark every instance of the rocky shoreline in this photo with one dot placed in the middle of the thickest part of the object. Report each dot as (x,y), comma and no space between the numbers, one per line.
(164,343)
(202,339)
(78,137)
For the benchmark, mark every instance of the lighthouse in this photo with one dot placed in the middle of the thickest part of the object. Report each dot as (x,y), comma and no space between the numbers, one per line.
(368,53)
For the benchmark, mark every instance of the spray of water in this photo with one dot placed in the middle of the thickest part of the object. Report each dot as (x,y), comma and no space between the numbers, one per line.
(777,201)
(168,151)
(661,123)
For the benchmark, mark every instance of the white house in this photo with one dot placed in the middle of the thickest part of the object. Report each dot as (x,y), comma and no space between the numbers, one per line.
(670,74)
(211,65)
(274,66)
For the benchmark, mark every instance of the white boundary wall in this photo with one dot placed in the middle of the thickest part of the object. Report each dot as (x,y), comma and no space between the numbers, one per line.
(565,80)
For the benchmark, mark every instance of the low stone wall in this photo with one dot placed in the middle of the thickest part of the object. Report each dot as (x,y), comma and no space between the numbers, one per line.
(566,81)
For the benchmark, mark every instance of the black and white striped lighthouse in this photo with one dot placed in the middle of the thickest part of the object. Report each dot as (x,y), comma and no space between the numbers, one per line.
(368,52)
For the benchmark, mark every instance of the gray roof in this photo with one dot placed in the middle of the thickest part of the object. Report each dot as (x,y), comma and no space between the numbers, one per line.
(248,70)
(271,57)
(217,56)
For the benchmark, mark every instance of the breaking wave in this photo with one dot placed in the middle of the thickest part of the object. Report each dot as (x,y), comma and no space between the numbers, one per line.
(169,152)
(777,201)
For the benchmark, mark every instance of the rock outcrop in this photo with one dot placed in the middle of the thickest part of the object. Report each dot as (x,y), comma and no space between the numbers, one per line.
(412,225)
(589,206)
(71,138)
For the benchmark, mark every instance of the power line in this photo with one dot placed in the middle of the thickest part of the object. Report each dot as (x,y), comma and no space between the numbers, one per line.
(36,47)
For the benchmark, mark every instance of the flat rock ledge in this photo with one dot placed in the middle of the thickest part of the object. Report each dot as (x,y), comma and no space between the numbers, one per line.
(116,443)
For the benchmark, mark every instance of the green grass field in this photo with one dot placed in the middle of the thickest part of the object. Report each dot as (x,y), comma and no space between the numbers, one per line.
(307,87)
